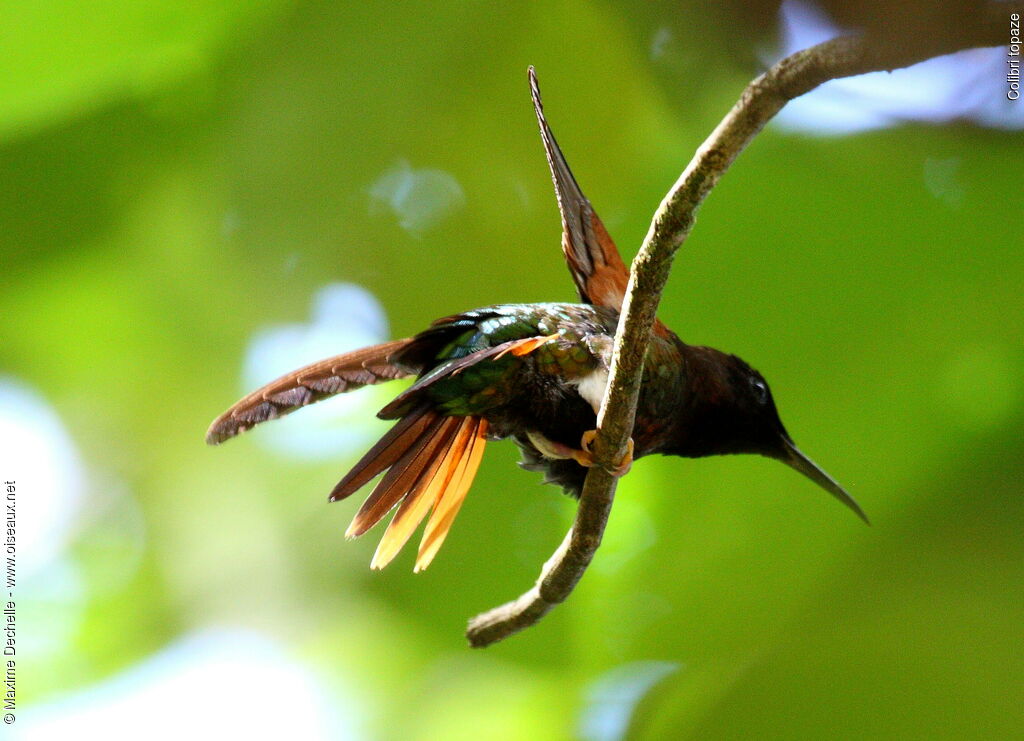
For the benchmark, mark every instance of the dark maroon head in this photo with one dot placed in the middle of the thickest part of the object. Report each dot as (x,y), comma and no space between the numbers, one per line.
(729,409)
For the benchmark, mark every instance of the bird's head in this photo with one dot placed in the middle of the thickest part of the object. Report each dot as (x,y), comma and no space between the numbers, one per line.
(730,409)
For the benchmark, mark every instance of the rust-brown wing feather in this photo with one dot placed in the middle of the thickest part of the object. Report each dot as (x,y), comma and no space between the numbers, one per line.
(310,384)
(593,259)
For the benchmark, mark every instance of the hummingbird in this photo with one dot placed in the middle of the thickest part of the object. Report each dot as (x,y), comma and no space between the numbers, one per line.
(536,373)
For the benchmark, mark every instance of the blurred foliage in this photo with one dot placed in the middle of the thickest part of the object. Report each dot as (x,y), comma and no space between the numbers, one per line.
(176,176)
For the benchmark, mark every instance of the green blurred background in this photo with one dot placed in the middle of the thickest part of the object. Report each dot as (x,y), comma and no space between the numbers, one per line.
(179,182)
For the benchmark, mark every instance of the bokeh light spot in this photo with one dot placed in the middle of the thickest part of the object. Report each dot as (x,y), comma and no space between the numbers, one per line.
(421,199)
(42,460)
(231,684)
(968,85)
(612,698)
(345,317)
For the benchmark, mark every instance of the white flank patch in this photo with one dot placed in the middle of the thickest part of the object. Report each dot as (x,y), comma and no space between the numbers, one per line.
(593,386)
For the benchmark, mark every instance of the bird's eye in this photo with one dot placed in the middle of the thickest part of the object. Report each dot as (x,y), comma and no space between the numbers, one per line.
(760,391)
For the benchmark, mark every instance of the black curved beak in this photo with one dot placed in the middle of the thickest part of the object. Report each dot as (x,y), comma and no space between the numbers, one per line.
(793,458)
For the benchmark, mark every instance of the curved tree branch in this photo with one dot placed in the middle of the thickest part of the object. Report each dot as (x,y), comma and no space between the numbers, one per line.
(761,100)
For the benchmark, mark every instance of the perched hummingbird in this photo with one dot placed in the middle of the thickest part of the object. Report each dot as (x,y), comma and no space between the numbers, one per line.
(536,373)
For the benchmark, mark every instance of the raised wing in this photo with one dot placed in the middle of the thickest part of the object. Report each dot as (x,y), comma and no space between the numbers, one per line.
(593,259)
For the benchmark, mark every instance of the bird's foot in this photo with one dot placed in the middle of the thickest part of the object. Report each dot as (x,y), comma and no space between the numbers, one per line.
(585,458)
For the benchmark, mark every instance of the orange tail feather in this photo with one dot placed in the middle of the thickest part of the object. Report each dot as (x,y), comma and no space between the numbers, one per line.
(431,461)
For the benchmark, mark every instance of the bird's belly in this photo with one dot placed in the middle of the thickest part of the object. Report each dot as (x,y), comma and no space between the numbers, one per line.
(552,416)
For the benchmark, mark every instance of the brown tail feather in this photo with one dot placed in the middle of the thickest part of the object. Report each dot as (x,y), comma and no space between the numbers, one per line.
(307,385)
(404,475)
(424,494)
(398,440)
(449,500)
(432,461)
(439,490)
